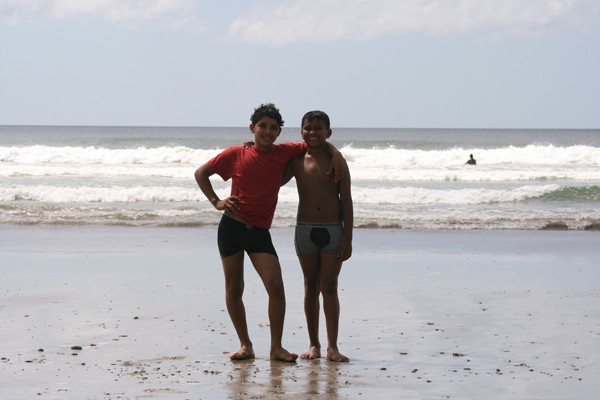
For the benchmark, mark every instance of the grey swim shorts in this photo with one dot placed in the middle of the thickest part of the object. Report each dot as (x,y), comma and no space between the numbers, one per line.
(315,238)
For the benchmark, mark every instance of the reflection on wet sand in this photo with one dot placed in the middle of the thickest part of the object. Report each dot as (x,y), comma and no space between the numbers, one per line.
(266,379)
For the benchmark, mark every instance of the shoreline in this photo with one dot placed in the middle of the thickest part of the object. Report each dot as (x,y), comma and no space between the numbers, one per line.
(427,315)
(63,237)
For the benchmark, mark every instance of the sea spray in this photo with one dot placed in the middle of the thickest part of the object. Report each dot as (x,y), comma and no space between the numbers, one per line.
(401,178)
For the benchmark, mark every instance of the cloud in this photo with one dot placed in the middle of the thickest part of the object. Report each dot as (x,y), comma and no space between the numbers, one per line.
(126,12)
(323,21)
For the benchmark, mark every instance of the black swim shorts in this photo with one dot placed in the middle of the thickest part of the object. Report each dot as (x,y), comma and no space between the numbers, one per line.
(234,236)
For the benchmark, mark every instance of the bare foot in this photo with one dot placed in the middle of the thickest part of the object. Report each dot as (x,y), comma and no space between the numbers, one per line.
(245,353)
(335,355)
(282,354)
(312,354)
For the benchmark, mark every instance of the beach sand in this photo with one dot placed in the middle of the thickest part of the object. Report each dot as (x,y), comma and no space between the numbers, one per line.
(139,313)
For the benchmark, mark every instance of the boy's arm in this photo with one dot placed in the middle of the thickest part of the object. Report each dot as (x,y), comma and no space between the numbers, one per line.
(287,174)
(202,175)
(345,249)
(291,168)
(338,163)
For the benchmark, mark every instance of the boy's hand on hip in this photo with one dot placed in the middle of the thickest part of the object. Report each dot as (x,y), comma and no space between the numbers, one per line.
(230,204)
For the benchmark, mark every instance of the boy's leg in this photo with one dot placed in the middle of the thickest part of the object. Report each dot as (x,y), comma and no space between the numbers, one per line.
(269,270)
(310,268)
(330,270)
(233,267)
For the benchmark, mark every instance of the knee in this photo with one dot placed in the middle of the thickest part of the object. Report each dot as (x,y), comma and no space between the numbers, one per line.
(234,288)
(329,287)
(311,285)
(275,288)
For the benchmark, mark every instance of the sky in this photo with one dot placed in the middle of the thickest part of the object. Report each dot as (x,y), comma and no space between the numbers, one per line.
(515,64)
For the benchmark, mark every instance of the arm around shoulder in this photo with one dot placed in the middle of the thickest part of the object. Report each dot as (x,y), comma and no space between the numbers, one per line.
(289,173)
(338,163)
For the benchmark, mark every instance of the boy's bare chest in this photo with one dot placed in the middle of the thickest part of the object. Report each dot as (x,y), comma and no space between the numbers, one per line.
(314,171)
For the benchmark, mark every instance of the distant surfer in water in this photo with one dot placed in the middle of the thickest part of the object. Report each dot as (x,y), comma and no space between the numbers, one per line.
(471,160)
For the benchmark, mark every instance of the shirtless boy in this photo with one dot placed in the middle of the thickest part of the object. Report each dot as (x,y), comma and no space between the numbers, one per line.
(323,236)
(248,212)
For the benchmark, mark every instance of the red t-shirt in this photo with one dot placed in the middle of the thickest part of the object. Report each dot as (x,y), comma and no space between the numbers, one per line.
(256,178)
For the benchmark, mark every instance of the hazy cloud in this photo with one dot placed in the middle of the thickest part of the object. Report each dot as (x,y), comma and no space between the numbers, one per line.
(130,12)
(278,24)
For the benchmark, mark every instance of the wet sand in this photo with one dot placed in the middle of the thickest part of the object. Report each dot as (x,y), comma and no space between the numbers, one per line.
(136,313)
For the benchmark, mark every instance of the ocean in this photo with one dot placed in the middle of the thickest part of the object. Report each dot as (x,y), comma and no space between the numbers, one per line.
(401,178)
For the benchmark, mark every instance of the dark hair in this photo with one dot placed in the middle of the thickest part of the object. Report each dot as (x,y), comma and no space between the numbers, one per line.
(318,115)
(266,110)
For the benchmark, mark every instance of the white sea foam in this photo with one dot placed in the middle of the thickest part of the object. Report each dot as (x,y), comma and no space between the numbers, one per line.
(504,164)
(39,154)
(108,194)
(397,183)
(100,170)
(390,164)
(529,155)
(389,156)
(361,195)
(416,195)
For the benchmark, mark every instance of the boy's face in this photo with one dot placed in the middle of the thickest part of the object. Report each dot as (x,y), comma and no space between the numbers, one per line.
(315,133)
(265,132)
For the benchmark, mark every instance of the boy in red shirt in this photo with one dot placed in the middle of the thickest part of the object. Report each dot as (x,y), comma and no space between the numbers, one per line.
(248,212)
